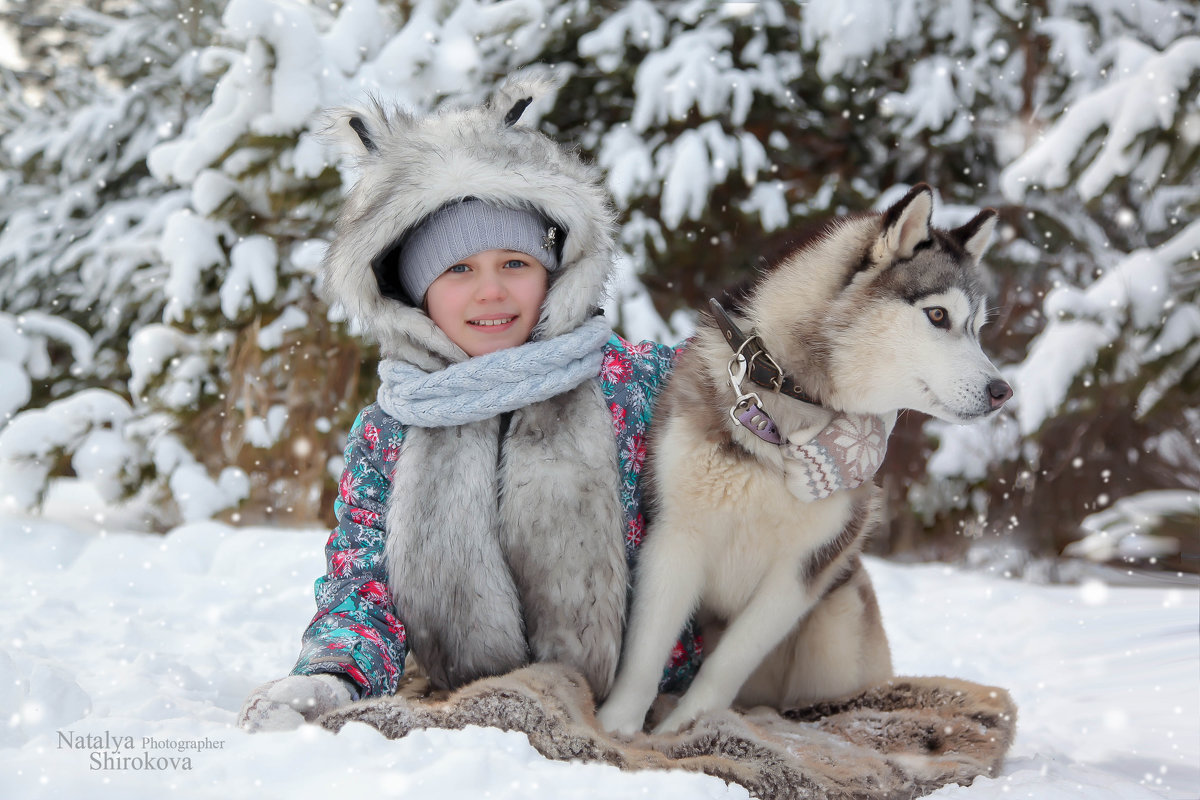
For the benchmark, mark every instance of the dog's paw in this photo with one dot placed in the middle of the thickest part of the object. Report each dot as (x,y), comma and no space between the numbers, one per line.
(676,721)
(618,721)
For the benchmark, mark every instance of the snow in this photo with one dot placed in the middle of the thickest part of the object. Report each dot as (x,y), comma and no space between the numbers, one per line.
(15,388)
(270,336)
(39,325)
(210,189)
(1060,352)
(1119,531)
(638,22)
(1083,322)
(295,85)
(159,638)
(200,497)
(237,96)
(769,201)
(692,71)
(100,459)
(252,267)
(930,101)
(265,431)
(24,357)
(632,309)
(627,164)
(149,350)
(1140,284)
(37,432)
(685,184)
(29,442)
(1136,104)
(15,385)
(189,245)
(850,32)
(968,450)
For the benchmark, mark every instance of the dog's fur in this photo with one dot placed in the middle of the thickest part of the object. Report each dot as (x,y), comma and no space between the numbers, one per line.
(788,613)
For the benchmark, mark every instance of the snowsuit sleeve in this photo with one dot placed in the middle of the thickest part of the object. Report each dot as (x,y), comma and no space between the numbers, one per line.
(632,376)
(355,632)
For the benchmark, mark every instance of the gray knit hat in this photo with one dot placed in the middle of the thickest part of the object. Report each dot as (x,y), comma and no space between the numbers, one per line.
(463,228)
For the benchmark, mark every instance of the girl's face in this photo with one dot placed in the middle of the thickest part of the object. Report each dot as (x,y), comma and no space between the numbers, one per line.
(488,301)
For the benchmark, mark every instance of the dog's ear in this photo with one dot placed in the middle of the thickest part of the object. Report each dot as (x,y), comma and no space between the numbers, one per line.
(906,223)
(976,235)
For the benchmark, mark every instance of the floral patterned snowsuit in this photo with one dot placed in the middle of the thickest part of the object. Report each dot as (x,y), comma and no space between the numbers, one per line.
(356,631)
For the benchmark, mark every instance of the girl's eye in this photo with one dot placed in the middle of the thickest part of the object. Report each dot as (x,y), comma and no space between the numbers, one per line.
(515,264)
(459,268)
(938,316)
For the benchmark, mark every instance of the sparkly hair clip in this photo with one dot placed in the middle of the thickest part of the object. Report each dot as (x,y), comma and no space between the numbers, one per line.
(550,238)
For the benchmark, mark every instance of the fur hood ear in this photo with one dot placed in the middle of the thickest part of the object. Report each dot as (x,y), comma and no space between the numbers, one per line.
(411,166)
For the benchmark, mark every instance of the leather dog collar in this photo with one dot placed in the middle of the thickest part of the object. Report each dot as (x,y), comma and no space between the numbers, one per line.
(761,368)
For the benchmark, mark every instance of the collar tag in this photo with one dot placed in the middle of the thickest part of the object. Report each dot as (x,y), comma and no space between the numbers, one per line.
(746,409)
(755,420)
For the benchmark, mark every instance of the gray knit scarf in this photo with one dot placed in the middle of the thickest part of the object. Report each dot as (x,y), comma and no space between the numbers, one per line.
(505,543)
(485,386)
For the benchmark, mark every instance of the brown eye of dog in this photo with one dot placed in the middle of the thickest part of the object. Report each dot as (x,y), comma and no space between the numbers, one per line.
(938,316)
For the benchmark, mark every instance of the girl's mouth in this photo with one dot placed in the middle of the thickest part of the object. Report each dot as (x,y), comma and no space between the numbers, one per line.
(491,323)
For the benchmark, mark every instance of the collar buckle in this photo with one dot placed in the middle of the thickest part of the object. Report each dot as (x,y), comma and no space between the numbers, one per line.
(760,367)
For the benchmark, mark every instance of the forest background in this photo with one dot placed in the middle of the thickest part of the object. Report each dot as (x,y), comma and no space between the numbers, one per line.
(165,200)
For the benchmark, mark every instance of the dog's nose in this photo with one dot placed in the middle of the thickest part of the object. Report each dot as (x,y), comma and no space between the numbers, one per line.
(998,393)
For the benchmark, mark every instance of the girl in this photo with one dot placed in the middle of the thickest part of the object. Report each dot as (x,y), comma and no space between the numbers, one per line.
(490,507)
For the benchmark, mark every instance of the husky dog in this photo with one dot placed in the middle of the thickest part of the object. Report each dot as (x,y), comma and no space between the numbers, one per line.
(879,312)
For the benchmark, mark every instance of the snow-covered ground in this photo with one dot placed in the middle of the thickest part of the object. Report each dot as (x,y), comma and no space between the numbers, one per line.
(150,643)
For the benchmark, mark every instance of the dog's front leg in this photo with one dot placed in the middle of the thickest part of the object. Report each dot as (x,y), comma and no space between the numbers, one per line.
(750,636)
(667,587)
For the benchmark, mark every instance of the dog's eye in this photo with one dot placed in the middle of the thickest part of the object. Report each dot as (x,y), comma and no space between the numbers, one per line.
(938,316)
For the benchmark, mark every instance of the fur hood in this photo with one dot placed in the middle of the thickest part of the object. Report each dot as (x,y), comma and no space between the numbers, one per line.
(410,166)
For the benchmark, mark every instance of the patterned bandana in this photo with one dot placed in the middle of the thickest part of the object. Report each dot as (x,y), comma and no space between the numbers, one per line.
(844,455)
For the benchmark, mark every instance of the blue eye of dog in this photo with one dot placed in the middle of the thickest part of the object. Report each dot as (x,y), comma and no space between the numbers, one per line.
(938,316)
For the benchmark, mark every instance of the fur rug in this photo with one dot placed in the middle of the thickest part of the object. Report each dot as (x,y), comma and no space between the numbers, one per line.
(901,739)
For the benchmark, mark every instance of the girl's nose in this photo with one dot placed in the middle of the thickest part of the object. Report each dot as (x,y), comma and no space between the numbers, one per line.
(490,287)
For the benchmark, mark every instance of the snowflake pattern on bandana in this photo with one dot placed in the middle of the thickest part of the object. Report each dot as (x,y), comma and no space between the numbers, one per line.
(356,631)
(845,454)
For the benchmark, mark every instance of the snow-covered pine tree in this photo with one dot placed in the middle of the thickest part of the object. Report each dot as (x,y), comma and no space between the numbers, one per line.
(724,128)
(290,381)
(1102,295)
(237,384)
(97,88)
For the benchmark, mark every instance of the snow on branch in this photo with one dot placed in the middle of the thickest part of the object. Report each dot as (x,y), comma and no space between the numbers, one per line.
(1082,322)
(638,23)
(189,246)
(86,425)
(1127,111)
(694,71)
(1122,531)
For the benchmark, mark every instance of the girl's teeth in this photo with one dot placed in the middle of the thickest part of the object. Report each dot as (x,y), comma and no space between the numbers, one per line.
(491,322)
